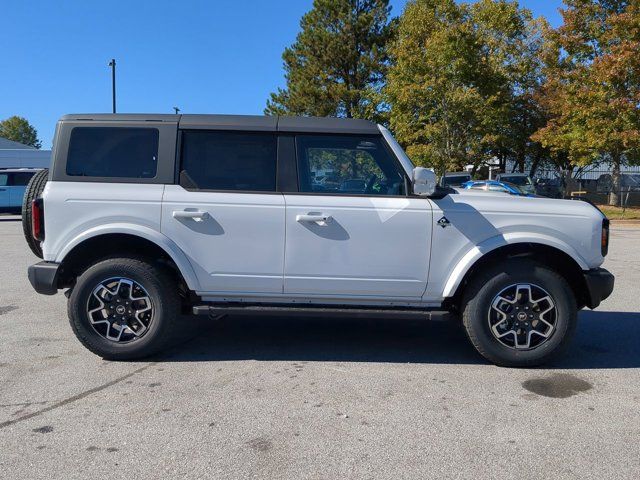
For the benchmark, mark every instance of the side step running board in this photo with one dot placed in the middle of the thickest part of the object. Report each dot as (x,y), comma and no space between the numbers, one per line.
(324,311)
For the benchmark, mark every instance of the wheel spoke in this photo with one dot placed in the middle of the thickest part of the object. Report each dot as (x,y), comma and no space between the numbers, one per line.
(522,316)
(120,309)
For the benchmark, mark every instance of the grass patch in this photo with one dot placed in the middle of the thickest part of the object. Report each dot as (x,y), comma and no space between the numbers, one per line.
(616,213)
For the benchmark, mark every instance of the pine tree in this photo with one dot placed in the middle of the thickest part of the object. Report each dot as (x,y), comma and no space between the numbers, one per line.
(338,62)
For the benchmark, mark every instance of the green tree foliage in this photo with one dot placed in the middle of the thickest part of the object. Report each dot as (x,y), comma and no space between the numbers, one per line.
(592,90)
(338,62)
(19,130)
(512,42)
(462,81)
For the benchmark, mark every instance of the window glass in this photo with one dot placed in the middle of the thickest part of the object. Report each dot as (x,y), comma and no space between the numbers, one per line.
(113,152)
(346,164)
(455,180)
(20,179)
(516,180)
(241,161)
(4,179)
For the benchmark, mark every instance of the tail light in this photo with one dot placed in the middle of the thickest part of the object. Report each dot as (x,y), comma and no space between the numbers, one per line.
(37,219)
(604,245)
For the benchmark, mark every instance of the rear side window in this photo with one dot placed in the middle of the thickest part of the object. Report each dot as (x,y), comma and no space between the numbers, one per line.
(113,152)
(21,179)
(240,161)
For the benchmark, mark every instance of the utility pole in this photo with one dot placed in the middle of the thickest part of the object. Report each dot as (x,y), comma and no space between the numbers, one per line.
(112,64)
(177,110)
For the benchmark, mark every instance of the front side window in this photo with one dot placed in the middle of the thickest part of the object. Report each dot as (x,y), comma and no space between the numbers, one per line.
(228,161)
(113,152)
(347,164)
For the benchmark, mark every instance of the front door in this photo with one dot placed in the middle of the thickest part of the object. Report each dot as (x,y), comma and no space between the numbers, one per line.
(352,230)
(225,214)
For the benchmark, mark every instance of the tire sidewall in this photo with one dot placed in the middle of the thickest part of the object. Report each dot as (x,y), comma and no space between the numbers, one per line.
(533,274)
(157,291)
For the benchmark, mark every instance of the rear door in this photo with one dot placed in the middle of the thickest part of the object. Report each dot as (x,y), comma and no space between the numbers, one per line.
(352,230)
(225,213)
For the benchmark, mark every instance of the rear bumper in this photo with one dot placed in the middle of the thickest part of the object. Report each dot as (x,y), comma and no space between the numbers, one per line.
(600,284)
(44,277)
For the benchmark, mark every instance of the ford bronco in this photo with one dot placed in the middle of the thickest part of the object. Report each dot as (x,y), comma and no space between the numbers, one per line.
(142,218)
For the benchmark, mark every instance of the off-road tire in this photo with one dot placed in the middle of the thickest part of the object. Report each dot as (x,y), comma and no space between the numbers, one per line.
(484,286)
(162,289)
(34,190)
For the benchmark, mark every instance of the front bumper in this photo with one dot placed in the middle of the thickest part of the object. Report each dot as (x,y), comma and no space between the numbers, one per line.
(599,284)
(44,277)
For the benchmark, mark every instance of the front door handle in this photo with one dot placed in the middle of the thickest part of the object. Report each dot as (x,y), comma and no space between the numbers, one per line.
(196,215)
(314,217)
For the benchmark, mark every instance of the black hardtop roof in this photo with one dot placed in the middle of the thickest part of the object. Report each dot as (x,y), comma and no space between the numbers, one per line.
(256,123)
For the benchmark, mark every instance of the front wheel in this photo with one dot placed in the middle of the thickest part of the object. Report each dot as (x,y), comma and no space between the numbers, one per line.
(124,308)
(519,314)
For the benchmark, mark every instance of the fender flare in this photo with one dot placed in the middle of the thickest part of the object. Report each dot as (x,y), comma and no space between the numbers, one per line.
(478,251)
(162,241)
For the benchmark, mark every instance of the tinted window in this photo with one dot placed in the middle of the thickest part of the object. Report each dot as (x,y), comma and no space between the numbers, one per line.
(228,161)
(347,165)
(4,179)
(455,180)
(22,178)
(113,152)
(516,180)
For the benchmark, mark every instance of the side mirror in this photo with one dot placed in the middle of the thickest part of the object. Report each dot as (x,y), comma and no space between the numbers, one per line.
(424,181)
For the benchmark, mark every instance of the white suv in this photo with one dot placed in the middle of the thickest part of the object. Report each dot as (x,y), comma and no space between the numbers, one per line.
(145,217)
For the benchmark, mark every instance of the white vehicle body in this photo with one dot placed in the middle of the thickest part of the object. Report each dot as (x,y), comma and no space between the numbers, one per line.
(145,217)
(373,251)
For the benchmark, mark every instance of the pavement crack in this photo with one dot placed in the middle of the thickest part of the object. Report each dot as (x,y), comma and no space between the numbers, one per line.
(75,398)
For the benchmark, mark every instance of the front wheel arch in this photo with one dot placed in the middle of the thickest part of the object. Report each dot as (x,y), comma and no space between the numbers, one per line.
(551,257)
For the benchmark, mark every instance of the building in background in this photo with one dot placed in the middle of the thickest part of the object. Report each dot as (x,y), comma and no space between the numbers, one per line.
(17,155)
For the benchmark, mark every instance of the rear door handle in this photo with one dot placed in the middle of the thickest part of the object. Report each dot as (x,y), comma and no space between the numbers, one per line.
(314,217)
(196,215)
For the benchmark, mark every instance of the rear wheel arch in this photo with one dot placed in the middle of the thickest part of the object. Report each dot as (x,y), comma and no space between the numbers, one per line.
(93,249)
(551,257)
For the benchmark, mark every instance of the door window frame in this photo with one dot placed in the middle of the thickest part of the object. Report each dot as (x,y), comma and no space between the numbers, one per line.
(180,152)
(394,159)
(288,165)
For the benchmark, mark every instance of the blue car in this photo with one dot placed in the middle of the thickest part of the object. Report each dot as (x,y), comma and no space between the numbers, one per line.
(494,186)
(13,183)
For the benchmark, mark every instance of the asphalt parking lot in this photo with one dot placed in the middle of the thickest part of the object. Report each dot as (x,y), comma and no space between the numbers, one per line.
(317,399)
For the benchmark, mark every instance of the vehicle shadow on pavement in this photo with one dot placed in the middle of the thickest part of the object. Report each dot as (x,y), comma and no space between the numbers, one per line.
(10,219)
(603,340)
(325,340)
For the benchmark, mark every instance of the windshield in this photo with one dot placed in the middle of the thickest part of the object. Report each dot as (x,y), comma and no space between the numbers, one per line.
(455,180)
(516,180)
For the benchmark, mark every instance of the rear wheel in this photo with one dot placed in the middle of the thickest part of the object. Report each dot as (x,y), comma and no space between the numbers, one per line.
(124,308)
(519,314)
(34,190)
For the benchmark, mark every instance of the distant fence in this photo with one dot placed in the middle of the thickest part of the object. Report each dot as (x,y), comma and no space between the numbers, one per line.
(595,184)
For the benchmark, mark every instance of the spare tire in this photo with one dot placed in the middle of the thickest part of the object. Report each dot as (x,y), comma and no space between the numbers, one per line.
(34,190)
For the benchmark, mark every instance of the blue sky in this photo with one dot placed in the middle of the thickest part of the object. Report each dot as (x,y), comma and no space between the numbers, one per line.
(204,56)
